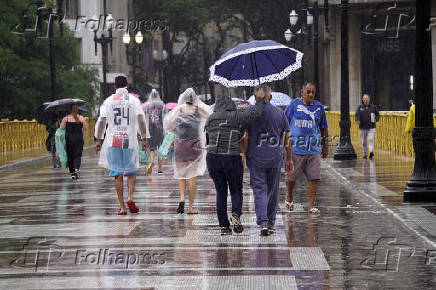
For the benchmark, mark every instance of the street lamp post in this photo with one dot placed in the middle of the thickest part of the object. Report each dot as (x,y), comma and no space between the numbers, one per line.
(294,31)
(422,184)
(104,41)
(312,20)
(315,45)
(345,150)
(133,51)
(159,63)
(48,15)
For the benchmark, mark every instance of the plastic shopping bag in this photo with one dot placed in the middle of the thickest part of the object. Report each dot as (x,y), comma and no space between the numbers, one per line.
(144,157)
(60,147)
(165,147)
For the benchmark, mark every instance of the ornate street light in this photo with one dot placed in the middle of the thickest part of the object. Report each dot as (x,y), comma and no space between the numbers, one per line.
(295,30)
(139,38)
(133,49)
(160,63)
(104,41)
(293,17)
(312,14)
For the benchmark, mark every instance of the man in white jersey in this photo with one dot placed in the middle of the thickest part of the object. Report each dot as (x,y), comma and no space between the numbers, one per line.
(119,151)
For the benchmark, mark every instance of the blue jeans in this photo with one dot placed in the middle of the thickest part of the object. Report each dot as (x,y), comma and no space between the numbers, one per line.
(265,184)
(226,170)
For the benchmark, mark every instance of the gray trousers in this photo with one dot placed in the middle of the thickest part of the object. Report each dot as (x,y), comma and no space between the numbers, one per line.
(265,184)
(367,134)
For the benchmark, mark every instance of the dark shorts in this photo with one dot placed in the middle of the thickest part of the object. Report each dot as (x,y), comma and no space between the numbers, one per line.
(187,150)
(155,141)
(310,165)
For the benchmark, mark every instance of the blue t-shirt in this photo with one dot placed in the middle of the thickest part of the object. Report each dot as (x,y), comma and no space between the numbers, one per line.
(265,144)
(306,122)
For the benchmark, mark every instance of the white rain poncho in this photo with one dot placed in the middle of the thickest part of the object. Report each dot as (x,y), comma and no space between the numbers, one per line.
(154,110)
(187,121)
(120,147)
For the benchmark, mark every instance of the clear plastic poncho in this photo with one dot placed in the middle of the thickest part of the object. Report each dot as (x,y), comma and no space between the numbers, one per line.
(186,122)
(154,111)
(120,147)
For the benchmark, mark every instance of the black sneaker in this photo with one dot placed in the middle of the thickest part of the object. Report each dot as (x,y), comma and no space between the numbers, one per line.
(371,154)
(225,231)
(264,231)
(271,229)
(77,172)
(364,156)
(181,208)
(159,171)
(236,222)
(73,176)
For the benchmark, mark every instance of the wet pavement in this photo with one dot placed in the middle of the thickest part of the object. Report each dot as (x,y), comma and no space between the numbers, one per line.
(62,234)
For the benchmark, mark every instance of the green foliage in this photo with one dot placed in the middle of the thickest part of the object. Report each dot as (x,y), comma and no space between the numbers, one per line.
(253,19)
(25,67)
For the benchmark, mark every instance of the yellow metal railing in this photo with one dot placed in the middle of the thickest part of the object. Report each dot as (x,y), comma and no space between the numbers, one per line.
(389,135)
(19,135)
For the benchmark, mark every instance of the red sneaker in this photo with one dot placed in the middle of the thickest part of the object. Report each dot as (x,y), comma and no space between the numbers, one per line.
(132,206)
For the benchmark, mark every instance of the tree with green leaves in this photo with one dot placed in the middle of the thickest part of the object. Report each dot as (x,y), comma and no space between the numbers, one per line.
(197,18)
(25,69)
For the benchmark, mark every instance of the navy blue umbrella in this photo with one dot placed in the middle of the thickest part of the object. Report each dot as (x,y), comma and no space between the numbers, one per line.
(83,108)
(254,63)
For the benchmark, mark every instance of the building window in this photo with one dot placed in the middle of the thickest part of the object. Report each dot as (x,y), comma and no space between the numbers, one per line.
(71,8)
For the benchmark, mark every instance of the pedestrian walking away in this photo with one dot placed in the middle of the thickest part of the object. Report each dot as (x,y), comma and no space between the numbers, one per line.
(50,141)
(119,152)
(154,110)
(263,142)
(224,162)
(366,117)
(308,123)
(186,122)
(74,125)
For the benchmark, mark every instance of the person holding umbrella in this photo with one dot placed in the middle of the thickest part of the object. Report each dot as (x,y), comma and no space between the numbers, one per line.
(74,125)
(224,162)
(263,143)
(50,142)
(254,64)
(154,110)
(51,120)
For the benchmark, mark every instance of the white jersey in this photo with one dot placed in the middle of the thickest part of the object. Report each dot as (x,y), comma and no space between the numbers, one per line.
(121,111)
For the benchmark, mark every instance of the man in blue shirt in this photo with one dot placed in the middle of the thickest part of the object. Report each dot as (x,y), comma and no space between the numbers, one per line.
(263,143)
(309,130)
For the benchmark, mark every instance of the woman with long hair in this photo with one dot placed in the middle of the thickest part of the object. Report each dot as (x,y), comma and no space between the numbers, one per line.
(187,121)
(75,125)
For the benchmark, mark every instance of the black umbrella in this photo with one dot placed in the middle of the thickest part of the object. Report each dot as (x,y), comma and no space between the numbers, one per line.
(63,105)
(43,117)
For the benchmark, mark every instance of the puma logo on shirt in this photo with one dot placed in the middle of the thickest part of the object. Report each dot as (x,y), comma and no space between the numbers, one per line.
(301,108)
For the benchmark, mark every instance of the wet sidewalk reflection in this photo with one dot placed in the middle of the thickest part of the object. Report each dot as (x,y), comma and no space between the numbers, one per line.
(58,233)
